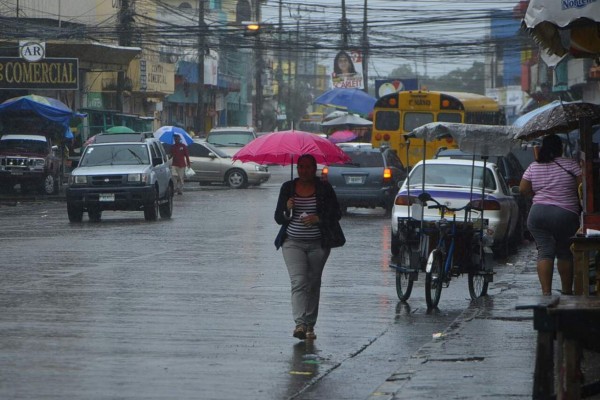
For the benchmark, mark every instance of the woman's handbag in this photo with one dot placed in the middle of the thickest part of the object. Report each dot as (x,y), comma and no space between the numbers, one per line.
(334,235)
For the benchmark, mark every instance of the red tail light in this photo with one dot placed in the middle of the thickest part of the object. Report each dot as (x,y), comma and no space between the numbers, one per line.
(404,200)
(387,173)
(487,205)
(324,173)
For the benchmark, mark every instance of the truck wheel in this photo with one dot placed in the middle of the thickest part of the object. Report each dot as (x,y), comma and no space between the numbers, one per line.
(49,185)
(166,209)
(75,213)
(151,209)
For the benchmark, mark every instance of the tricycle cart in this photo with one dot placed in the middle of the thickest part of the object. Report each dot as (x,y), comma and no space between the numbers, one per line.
(448,247)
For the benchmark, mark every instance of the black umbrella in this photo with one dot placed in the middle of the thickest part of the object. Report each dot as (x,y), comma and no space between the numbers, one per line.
(557,117)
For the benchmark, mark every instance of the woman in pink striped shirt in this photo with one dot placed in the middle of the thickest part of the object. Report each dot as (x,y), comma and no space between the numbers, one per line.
(553,180)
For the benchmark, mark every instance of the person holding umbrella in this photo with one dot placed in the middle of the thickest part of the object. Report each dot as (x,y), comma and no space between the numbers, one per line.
(181,160)
(309,213)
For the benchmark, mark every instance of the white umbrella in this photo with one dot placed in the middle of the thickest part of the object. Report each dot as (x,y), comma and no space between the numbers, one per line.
(348,119)
(562,27)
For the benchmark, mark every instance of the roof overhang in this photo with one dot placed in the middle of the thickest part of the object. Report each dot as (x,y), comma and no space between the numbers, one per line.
(93,56)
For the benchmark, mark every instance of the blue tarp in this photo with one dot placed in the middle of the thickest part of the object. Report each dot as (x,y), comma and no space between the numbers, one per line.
(46,107)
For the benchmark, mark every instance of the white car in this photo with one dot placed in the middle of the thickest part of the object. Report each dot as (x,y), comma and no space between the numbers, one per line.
(449,182)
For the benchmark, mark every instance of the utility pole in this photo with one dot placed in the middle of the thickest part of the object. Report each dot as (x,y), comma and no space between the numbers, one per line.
(200,111)
(279,72)
(365,50)
(344,27)
(258,65)
(125,22)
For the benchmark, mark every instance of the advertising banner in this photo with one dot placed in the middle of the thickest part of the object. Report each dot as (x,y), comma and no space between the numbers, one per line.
(347,70)
(393,85)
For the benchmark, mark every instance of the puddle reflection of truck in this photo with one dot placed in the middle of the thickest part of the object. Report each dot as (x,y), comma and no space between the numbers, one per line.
(30,161)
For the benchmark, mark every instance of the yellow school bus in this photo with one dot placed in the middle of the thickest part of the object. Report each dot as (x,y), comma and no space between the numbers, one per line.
(398,113)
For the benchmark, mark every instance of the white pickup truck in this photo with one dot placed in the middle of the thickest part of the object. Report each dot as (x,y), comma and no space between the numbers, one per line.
(124,176)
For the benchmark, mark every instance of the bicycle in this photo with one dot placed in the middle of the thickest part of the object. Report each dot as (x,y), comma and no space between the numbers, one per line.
(408,261)
(443,262)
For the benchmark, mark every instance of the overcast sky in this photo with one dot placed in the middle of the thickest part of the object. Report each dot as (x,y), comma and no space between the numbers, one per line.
(432,36)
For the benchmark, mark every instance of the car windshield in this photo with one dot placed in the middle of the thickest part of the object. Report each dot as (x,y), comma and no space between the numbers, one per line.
(451,175)
(363,159)
(230,138)
(33,146)
(118,154)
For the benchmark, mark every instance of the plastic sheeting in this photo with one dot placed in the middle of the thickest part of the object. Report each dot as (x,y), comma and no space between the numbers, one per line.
(483,140)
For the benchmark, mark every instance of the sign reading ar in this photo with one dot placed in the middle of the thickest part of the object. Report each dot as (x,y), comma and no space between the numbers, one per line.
(32,51)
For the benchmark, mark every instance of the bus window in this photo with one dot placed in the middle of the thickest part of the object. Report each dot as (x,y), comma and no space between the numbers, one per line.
(387,120)
(414,120)
(449,117)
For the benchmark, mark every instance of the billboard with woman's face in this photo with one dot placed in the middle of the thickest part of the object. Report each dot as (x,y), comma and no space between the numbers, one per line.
(347,70)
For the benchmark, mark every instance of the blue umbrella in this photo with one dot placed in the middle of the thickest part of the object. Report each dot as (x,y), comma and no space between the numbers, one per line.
(353,100)
(166,134)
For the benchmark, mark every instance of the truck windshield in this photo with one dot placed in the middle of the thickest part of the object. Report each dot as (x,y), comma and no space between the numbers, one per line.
(32,146)
(118,154)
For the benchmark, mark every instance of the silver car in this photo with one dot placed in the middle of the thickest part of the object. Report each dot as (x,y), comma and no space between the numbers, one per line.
(212,165)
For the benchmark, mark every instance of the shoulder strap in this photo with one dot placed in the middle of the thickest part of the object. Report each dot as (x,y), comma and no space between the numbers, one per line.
(564,169)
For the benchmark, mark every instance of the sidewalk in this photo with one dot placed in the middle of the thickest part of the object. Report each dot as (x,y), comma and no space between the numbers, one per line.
(488,352)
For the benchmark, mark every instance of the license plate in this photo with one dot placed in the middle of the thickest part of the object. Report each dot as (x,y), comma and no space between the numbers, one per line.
(355,180)
(16,173)
(106,197)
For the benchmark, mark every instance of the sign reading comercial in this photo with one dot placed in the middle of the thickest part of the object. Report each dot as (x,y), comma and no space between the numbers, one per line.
(33,70)
(49,73)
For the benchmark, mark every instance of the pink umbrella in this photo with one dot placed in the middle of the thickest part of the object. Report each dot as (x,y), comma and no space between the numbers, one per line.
(342,136)
(284,147)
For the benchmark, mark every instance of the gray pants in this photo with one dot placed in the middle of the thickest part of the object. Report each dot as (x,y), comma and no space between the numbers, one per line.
(552,228)
(305,260)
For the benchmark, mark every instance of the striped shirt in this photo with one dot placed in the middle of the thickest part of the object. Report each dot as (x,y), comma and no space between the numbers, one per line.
(296,229)
(552,185)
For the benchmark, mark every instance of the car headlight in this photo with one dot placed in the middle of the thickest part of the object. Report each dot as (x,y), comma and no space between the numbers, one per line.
(78,180)
(262,168)
(139,178)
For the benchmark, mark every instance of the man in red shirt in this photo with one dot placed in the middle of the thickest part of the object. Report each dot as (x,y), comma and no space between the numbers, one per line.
(181,160)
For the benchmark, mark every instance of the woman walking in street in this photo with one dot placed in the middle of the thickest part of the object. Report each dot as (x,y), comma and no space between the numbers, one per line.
(309,213)
(553,182)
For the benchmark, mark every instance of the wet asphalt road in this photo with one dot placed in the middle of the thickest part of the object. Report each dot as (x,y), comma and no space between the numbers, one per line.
(197,307)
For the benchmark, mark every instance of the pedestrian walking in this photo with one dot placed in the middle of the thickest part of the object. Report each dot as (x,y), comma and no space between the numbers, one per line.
(309,213)
(181,160)
(553,181)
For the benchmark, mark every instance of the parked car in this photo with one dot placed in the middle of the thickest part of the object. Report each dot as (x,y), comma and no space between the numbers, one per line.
(126,176)
(511,169)
(31,161)
(231,139)
(449,182)
(370,180)
(212,165)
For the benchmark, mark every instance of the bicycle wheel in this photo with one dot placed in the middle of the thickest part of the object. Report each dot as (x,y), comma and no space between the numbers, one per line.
(404,280)
(478,285)
(434,279)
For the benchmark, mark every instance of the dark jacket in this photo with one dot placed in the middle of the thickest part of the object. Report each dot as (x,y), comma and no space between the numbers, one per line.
(328,211)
